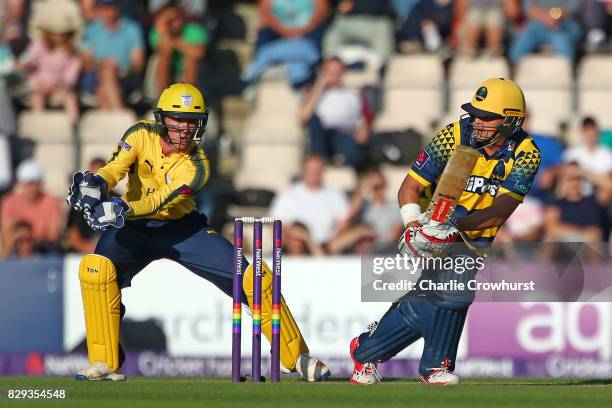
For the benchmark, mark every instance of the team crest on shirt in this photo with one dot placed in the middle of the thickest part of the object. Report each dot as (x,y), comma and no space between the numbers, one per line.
(186,100)
(421,159)
(499,172)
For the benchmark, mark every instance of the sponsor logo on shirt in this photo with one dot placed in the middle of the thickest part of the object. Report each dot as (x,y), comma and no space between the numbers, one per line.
(125,145)
(421,159)
(521,187)
(481,185)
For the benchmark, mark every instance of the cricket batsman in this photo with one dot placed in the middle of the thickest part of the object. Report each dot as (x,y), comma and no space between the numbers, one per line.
(155,219)
(503,173)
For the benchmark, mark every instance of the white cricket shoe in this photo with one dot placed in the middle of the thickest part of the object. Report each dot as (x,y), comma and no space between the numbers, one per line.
(98,371)
(311,369)
(366,373)
(442,375)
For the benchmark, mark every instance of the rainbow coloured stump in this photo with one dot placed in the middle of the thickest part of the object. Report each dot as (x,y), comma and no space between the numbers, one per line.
(257,295)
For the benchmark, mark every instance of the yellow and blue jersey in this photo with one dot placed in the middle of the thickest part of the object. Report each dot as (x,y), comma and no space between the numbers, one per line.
(510,171)
(159,187)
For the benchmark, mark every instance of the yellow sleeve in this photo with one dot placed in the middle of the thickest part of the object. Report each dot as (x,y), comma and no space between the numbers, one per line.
(418,178)
(123,157)
(192,177)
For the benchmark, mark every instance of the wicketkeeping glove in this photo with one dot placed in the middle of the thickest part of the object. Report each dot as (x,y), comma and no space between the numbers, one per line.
(107,214)
(87,191)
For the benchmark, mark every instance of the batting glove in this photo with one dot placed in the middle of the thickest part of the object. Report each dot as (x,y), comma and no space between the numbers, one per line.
(432,238)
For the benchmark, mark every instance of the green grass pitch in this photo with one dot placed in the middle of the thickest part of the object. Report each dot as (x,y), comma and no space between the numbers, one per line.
(220,392)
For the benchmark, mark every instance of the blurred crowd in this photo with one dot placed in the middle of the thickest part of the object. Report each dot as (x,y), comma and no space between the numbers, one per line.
(110,55)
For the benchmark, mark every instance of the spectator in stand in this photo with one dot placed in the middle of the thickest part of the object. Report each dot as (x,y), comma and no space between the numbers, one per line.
(323,210)
(290,34)
(79,236)
(52,66)
(575,217)
(179,46)
(7,115)
(8,127)
(423,24)
(6,165)
(20,243)
(298,241)
(594,159)
(552,158)
(30,203)
(370,207)
(550,22)
(488,16)
(113,56)
(338,118)
(347,30)
(526,222)
(193,8)
(11,31)
(598,24)
(42,10)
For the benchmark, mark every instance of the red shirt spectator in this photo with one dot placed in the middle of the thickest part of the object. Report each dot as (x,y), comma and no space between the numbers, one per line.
(31,204)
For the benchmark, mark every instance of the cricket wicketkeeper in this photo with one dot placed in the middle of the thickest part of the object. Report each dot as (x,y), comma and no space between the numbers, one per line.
(499,181)
(157,219)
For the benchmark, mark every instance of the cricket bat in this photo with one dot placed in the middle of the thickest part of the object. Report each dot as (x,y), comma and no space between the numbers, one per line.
(452,182)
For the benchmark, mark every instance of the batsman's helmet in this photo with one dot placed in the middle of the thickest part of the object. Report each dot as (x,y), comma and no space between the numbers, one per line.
(499,98)
(182,101)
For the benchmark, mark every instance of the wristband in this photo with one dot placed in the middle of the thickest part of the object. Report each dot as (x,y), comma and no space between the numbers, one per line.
(410,212)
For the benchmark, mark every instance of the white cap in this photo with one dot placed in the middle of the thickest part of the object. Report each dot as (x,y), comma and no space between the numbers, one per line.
(28,171)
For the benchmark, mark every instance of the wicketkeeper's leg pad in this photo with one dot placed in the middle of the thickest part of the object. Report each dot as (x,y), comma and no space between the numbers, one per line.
(292,342)
(102,306)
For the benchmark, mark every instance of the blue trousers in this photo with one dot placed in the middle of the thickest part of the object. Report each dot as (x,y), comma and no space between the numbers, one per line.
(331,142)
(189,241)
(563,40)
(439,323)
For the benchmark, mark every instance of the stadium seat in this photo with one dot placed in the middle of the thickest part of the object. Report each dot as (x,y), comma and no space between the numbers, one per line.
(54,151)
(595,88)
(466,74)
(268,167)
(361,78)
(406,108)
(414,71)
(105,126)
(49,126)
(269,130)
(276,98)
(342,178)
(58,171)
(545,79)
(412,93)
